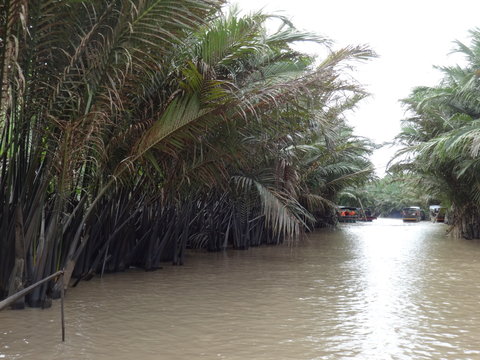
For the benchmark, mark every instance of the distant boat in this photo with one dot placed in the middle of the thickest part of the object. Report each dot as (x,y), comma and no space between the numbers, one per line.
(411,214)
(353,214)
(347,214)
(437,213)
(367,218)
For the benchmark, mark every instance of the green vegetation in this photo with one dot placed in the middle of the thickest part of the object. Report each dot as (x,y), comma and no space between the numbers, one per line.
(439,158)
(441,140)
(132,130)
(387,197)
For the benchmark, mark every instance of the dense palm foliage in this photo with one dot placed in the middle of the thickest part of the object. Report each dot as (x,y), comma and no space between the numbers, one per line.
(441,139)
(332,165)
(132,130)
(387,196)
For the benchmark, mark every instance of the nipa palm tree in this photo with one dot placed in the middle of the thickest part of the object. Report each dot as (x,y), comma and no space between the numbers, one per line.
(441,139)
(147,128)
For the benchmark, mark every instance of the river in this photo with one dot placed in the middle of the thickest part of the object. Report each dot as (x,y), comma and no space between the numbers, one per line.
(380,290)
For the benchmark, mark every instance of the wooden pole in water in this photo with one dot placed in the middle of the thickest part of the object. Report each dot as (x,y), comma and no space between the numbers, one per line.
(11,299)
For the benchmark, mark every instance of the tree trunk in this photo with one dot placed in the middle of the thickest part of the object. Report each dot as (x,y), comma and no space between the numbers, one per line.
(466,221)
(17,274)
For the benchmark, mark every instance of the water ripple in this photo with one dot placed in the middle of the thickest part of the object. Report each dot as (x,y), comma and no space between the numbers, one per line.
(384,290)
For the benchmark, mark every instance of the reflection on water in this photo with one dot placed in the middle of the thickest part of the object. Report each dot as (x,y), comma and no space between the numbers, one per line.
(381,290)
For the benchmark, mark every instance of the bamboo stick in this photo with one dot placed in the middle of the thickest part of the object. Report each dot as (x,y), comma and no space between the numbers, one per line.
(11,299)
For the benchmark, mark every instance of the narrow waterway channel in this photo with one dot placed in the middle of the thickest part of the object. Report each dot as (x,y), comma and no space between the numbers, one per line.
(381,290)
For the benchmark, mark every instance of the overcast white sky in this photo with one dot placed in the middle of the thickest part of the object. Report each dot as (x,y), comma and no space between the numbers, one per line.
(410,36)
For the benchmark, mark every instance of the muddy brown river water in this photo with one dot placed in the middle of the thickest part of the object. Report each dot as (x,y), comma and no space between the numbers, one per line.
(381,290)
